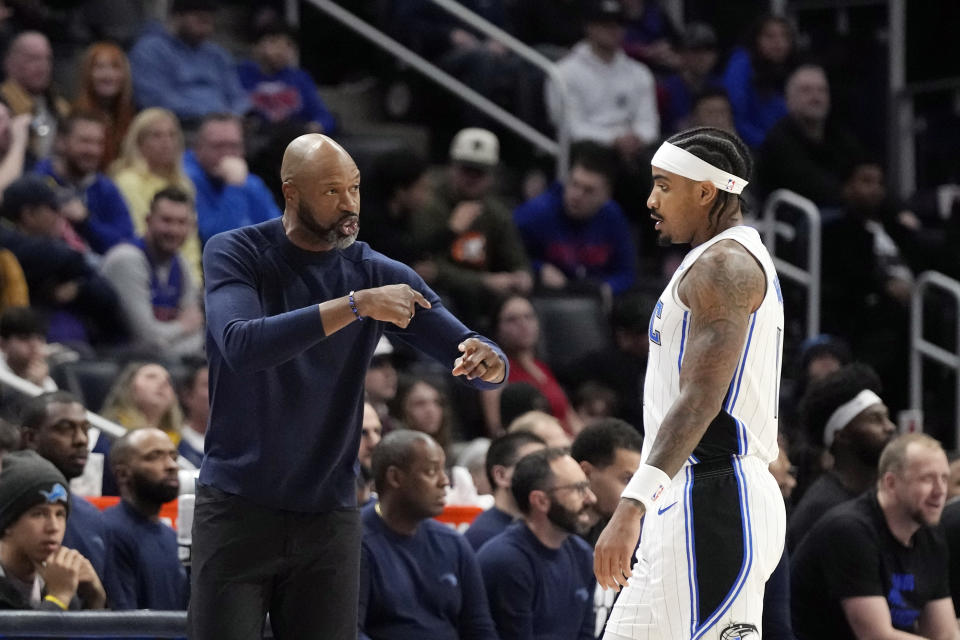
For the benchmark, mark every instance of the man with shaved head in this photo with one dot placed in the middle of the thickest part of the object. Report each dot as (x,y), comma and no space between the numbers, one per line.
(295,308)
(28,66)
(144,567)
(419,578)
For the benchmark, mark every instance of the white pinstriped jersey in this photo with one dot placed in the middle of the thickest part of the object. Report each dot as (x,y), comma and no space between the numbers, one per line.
(747,423)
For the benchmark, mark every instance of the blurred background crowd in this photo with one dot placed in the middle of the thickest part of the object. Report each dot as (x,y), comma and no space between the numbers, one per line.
(132,131)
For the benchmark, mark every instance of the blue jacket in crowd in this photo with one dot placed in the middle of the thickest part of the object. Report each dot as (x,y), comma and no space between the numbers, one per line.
(599,249)
(754,112)
(287,94)
(222,207)
(109,220)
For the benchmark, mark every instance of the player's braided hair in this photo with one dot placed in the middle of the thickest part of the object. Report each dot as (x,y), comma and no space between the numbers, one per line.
(723,150)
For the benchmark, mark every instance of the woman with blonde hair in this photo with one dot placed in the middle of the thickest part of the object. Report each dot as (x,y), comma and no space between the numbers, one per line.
(143,396)
(151,159)
(106,88)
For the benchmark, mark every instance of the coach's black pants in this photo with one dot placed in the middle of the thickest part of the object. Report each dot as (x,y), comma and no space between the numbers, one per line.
(248,560)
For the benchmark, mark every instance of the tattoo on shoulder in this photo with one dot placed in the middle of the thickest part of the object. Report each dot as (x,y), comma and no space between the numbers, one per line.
(726,274)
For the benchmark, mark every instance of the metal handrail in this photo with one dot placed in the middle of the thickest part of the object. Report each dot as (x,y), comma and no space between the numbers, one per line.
(112,429)
(27,388)
(921,347)
(93,624)
(809,278)
(447,81)
(532,56)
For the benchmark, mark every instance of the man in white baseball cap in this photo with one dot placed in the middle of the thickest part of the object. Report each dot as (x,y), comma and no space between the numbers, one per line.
(469,232)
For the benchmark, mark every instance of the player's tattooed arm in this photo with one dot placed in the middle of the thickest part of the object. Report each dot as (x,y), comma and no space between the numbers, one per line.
(723,287)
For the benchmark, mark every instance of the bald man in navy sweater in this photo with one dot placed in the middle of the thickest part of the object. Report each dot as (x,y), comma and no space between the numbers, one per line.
(295,308)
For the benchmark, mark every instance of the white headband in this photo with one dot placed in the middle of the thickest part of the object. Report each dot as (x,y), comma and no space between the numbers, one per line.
(847,412)
(683,163)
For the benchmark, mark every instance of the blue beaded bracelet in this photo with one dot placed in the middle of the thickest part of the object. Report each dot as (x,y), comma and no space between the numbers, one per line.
(353,306)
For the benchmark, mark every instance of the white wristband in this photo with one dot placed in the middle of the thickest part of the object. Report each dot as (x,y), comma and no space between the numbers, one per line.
(646,485)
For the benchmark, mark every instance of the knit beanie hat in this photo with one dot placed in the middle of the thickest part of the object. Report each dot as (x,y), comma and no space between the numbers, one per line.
(27,479)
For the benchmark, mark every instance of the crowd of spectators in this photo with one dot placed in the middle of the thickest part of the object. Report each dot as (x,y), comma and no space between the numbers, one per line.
(111,190)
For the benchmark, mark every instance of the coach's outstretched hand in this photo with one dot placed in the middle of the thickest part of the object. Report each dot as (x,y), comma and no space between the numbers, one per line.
(613,553)
(396,303)
(479,360)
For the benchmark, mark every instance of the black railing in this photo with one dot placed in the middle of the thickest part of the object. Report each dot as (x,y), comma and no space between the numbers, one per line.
(93,624)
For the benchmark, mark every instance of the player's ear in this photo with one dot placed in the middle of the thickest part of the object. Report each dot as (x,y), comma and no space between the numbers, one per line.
(706,192)
(587,468)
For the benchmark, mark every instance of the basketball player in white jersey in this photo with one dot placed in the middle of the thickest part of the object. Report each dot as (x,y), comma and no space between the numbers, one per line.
(711,514)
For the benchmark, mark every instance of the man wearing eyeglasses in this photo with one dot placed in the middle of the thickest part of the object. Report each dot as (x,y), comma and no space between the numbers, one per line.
(538,575)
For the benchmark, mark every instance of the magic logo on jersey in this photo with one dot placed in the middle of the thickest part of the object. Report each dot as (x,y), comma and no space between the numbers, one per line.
(739,631)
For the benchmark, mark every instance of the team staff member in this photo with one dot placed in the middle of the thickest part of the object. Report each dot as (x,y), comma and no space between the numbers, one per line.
(276,525)
(715,519)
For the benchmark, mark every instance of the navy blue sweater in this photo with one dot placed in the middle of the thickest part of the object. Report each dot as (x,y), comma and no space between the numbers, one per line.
(87,533)
(486,525)
(538,593)
(427,585)
(286,401)
(144,571)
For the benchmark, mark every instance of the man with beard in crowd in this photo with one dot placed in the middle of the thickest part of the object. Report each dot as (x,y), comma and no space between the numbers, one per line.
(296,307)
(145,571)
(96,210)
(538,572)
(501,458)
(846,413)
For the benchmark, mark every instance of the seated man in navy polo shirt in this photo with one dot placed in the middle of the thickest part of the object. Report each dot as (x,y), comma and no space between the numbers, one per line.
(502,456)
(418,578)
(54,424)
(145,572)
(538,574)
